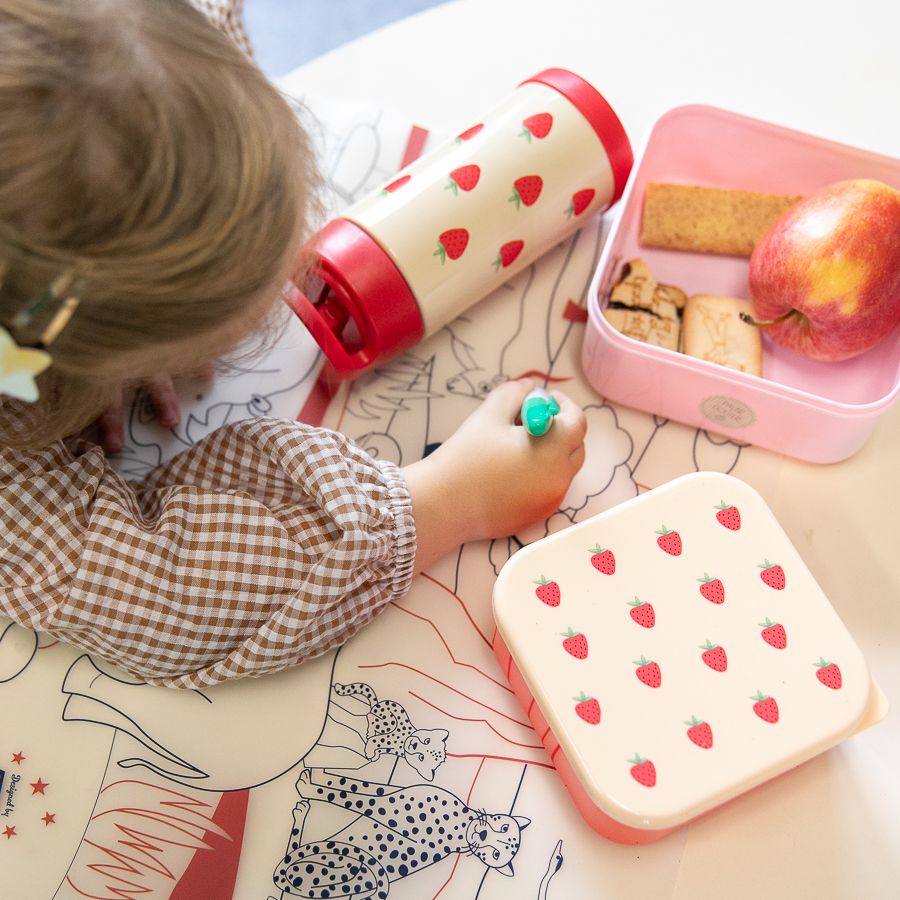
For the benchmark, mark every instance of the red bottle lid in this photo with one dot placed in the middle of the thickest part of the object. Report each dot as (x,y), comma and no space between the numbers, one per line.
(593,106)
(354,301)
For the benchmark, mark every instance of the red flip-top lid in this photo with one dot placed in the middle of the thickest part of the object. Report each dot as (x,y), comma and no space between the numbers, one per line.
(354,301)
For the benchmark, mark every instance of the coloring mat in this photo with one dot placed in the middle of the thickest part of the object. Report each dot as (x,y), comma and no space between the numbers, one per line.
(402,763)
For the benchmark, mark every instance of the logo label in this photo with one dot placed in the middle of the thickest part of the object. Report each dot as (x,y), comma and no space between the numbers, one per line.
(727,411)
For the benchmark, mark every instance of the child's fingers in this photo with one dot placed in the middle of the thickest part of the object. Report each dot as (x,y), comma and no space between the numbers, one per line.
(570,420)
(505,401)
(111,426)
(165,401)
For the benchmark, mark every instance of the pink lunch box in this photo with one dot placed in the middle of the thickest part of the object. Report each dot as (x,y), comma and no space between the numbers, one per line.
(816,411)
(674,652)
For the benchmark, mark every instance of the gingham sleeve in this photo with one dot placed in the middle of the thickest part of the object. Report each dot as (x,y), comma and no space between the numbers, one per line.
(268,543)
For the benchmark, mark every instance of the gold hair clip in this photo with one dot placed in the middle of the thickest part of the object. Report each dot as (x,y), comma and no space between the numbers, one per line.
(20,364)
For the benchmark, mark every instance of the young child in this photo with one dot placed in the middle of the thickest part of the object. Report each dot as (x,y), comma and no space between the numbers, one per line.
(154,189)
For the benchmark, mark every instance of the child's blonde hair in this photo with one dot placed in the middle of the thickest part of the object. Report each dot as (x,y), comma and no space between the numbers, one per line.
(146,159)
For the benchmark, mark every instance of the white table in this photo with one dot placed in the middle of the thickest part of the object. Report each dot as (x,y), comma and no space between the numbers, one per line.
(828,68)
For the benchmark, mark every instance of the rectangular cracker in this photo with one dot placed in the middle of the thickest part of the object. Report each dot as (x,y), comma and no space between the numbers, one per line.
(708,220)
(646,327)
(713,330)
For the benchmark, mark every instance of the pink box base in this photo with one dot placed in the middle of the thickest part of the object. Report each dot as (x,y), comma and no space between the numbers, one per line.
(820,412)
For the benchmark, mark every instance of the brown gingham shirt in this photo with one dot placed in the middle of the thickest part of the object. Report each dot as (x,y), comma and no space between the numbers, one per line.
(265,544)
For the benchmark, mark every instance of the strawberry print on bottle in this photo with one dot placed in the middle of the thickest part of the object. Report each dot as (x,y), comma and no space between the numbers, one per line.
(575,643)
(648,672)
(643,771)
(469,133)
(765,707)
(829,674)
(603,560)
(772,575)
(394,185)
(712,589)
(526,190)
(452,244)
(728,515)
(465,178)
(642,613)
(507,254)
(714,656)
(581,200)
(700,733)
(669,540)
(587,708)
(536,126)
(547,591)
(773,634)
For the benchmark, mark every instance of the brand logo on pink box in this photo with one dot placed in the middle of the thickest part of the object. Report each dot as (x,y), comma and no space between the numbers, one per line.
(727,411)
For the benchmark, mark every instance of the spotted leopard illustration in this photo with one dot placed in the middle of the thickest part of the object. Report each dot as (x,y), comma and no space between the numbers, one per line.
(389,730)
(398,832)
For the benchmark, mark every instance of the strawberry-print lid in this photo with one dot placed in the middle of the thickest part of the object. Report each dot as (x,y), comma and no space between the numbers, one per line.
(679,650)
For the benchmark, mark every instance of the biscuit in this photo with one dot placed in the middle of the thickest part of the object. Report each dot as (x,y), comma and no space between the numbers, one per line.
(708,220)
(638,289)
(713,330)
(645,326)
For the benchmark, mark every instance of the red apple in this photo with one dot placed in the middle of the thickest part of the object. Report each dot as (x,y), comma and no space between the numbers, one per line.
(825,278)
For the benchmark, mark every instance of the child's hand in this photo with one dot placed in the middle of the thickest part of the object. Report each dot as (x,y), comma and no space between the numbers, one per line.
(492,478)
(110,426)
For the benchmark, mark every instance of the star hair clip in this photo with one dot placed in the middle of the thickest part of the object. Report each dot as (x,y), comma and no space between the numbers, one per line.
(19,365)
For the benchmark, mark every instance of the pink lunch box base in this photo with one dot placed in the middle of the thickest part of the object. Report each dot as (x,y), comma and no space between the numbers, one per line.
(819,412)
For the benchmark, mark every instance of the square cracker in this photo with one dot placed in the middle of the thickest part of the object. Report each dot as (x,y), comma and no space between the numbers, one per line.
(713,330)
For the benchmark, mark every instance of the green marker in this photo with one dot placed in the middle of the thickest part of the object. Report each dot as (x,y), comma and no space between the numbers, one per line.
(538,410)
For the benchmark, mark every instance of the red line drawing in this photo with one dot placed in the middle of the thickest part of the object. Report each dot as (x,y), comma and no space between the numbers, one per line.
(459,600)
(409,612)
(483,721)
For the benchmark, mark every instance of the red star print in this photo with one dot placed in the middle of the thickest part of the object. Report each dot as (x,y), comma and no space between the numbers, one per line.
(9,831)
(49,818)
(17,758)
(37,787)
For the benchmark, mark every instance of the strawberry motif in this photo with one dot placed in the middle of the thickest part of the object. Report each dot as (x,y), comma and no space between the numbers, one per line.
(469,133)
(765,707)
(643,771)
(588,708)
(829,674)
(712,589)
(452,244)
(603,560)
(669,540)
(728,515)
(642,613)
(526,190)
(648,672)
(700,733)
(575,643)
(774,634)
(507,254)
(547,591)
(772,575)
(581,200)
(390,188)
(714,656)
(463,179)
(537,126)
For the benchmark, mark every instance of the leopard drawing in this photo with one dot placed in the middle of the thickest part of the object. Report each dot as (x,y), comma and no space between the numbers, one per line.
(397,832)
(389,730)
